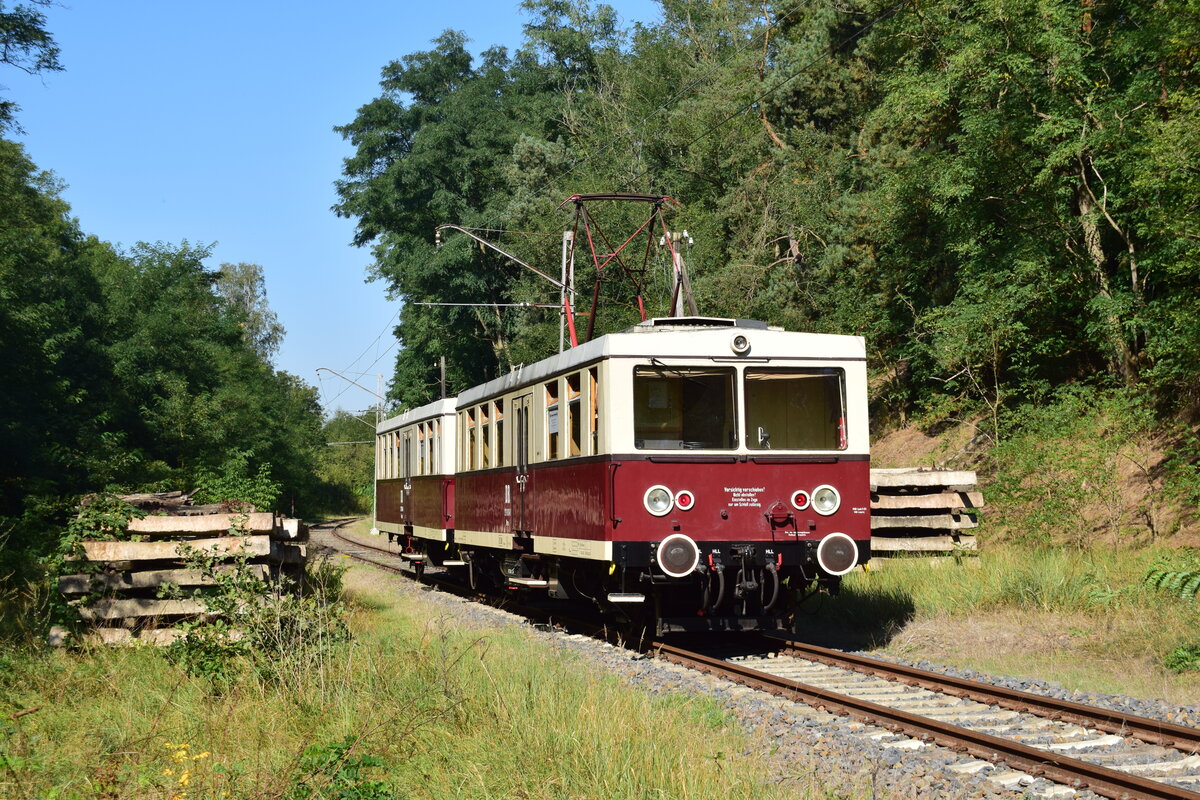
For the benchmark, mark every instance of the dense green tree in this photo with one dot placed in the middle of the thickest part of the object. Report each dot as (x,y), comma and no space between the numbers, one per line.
(55,392)
(26,45)
(346,465)
(244,288)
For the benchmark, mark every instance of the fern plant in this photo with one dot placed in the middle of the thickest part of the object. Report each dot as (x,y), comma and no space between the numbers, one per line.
(1182,583)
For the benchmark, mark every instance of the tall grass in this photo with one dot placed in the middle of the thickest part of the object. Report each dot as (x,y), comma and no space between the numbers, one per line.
(1086,618)
(1056,580)
(448,711)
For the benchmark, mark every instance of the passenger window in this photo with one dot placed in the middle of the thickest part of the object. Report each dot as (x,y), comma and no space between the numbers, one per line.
(552,419)
(575,418)
(684,408)
(593,412)
(471,439)
(421,449)
(485,439)
(499,415)
(795,409)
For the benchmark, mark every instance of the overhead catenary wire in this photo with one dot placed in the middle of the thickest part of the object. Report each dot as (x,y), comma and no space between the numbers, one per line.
(391,347)
(492,305)
(367,349)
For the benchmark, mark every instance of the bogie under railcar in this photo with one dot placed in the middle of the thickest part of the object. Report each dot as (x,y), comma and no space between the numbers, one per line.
(697,473)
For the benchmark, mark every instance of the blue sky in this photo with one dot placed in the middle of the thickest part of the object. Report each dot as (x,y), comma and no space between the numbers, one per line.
(212,122)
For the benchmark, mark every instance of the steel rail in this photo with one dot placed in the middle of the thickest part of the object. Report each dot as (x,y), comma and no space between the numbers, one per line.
(1167,734)
(504,603)
(1060,769)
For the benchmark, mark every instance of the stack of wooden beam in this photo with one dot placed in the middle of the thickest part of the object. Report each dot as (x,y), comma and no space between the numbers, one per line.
(926,511)
(117,593)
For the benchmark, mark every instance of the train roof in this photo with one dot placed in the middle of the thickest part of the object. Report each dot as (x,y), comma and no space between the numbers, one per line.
(681,337)
(438,408)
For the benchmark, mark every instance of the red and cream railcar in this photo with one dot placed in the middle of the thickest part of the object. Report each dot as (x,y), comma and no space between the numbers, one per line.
(702,470)
(414,483)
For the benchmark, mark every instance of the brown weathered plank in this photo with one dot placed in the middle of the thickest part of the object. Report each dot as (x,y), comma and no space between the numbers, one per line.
(920,544)
(149,551)
(123,637)
(148,579)
(943,501)
(258,522)
(917,477)
(943,522)
(108,608)
(127,638)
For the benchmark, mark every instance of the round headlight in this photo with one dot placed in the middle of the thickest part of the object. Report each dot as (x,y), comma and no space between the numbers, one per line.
(678,555)
(826,500)
(799,499)
(740,343)
(837,554)
(684,500)
(658,500)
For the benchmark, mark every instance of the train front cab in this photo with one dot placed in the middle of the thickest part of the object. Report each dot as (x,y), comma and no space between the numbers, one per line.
(742,482)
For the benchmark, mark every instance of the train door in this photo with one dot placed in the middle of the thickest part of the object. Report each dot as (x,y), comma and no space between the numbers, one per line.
(406,450)
(522,440)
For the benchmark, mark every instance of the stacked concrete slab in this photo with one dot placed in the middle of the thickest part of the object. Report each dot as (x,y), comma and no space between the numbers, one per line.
(915,510)
(116,590)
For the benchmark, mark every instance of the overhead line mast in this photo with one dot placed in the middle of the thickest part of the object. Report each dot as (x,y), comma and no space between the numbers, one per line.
(593,233)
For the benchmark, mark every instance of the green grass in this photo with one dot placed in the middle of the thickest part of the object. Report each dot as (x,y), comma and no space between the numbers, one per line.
(1086,619)
(416,706)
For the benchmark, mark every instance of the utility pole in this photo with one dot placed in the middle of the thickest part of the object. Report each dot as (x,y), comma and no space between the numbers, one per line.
(681,283)
(567,286)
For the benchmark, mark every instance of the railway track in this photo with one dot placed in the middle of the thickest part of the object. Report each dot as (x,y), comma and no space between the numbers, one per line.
(1072,745)
(1116,755)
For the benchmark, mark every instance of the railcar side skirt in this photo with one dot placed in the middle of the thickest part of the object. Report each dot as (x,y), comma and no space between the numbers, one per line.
(484,539)
(573,548)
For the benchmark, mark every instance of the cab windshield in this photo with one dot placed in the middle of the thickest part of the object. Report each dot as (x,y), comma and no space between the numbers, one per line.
(684,408)
(795,409)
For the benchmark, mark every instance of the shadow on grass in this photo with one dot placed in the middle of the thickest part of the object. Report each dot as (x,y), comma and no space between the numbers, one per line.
(857,618)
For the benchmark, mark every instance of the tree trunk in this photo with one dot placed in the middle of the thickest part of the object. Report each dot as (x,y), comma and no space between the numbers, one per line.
(1121,356)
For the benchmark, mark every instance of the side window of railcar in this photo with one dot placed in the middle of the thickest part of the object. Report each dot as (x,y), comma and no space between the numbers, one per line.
(552,450)
(684,408)
(485,438)
(795,409)
(421,449)
(498,415)
(593,410)
(471,438)
(436,453)
(575,421)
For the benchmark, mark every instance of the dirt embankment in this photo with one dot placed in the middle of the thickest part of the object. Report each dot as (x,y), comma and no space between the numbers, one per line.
(1117,494)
